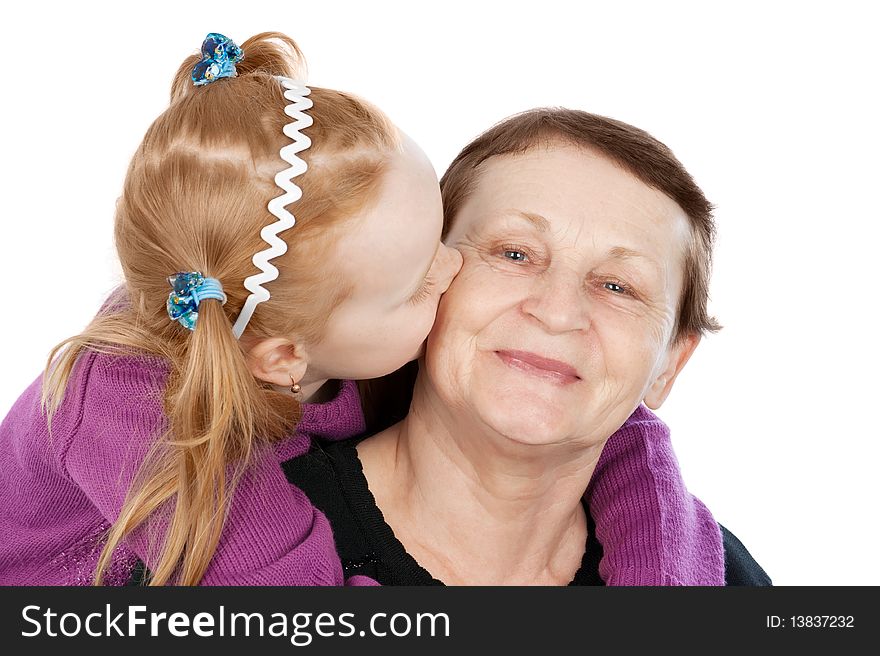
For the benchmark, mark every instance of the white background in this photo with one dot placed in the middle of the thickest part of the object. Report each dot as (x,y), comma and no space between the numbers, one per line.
(772,106)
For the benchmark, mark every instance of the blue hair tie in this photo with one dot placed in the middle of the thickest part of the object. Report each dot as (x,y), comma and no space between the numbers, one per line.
(190,289)
(220,54)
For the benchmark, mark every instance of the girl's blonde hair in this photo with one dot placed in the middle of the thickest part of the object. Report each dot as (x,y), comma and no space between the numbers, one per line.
(195,199)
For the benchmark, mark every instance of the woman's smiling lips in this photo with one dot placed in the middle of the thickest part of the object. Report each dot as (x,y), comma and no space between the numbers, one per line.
(535,365)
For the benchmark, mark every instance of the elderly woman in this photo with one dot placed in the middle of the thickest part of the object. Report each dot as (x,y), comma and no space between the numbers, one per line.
(582,295)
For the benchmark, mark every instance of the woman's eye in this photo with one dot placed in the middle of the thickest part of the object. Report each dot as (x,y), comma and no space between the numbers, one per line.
(514,254)
(616,287)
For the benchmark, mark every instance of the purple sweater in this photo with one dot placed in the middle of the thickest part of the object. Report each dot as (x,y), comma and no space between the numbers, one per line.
(61,492)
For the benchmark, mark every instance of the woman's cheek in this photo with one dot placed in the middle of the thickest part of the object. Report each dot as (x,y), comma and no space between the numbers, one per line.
(629,350)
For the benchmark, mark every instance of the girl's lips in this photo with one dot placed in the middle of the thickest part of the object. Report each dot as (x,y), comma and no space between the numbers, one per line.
(536,365)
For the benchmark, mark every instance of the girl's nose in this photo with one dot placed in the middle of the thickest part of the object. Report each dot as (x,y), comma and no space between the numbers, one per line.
(451,265)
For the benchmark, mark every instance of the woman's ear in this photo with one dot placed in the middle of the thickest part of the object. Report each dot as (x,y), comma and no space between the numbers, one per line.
(277,360)
(679,353)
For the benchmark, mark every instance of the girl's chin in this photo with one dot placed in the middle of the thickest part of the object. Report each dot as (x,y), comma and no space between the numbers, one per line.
(420,351)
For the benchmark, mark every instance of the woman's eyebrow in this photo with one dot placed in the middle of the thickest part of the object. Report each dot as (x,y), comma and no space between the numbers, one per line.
(624,253)
(536,220)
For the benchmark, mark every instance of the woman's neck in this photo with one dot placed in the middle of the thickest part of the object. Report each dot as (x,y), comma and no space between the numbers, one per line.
(472,506)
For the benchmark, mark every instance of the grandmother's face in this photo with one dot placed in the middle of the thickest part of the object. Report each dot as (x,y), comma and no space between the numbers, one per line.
(560,321)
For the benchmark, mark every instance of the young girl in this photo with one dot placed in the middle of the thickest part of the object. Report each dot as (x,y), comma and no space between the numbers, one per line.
(156,434)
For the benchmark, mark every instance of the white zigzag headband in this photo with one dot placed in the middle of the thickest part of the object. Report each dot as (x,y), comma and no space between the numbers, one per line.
(296,93)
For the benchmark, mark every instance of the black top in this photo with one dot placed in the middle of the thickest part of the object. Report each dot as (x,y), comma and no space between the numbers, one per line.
(332,477)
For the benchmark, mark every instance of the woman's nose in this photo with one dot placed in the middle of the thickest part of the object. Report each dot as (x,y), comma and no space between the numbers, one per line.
(451,265)
(559,303)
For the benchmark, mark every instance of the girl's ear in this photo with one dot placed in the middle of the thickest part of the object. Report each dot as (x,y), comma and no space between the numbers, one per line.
(277,360)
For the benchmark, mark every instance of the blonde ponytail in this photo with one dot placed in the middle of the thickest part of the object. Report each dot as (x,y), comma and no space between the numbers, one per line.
(212,412)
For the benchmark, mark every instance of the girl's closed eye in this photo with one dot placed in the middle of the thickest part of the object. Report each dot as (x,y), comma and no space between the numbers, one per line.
(424,292)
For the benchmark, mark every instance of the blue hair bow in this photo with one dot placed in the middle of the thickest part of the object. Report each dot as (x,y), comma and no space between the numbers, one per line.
(220,54)
(190,289)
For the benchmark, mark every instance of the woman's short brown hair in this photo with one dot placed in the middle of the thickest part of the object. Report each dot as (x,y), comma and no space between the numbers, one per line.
(634,150)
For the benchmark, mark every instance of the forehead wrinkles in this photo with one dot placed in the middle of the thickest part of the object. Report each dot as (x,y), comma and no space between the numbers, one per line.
(520,182)
(622,197)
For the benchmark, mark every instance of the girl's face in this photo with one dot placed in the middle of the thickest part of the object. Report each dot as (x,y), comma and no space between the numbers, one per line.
(399,268)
